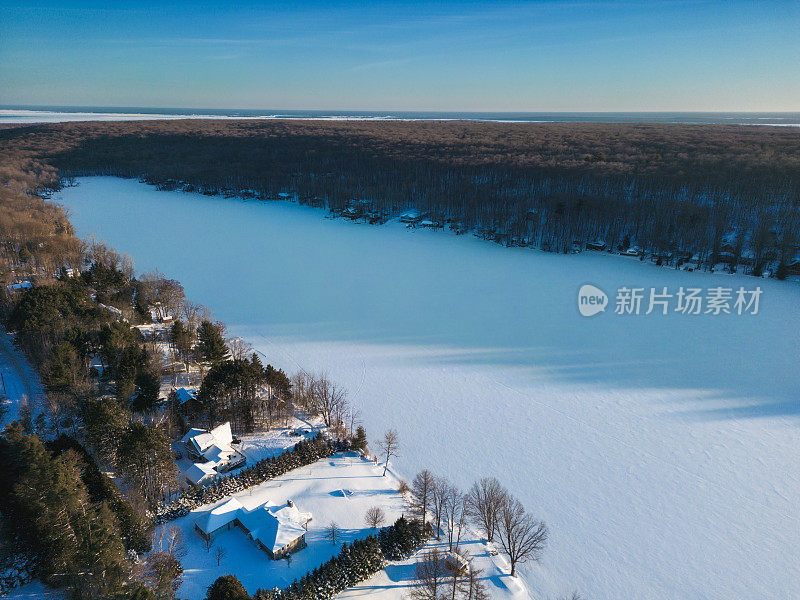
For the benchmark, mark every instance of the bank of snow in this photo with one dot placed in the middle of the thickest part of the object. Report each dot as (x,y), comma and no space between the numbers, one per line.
(661,450)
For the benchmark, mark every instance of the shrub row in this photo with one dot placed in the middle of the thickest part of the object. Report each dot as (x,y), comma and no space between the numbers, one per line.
(303,453)
(356,562)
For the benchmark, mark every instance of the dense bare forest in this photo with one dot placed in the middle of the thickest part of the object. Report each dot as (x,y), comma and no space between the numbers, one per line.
(676,193)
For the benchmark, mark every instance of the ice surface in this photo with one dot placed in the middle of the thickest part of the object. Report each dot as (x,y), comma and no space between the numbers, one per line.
(661,450)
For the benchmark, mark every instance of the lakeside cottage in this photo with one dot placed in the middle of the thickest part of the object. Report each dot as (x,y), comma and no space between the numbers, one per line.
(277,530)
(213,452)
(411,216)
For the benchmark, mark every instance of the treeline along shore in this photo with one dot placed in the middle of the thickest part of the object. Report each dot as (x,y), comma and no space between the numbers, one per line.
(706,194)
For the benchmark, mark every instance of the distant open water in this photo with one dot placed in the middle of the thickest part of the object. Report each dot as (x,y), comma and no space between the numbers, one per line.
(54,114)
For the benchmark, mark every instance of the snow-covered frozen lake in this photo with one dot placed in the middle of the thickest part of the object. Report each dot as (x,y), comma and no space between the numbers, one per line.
(662,451)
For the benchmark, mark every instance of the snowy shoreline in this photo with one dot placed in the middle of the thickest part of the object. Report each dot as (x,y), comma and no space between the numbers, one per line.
(32,116)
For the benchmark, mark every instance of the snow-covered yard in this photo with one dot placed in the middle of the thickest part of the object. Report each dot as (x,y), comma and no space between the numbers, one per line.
(260,445)
(315,489)
(394,582)
(660,449)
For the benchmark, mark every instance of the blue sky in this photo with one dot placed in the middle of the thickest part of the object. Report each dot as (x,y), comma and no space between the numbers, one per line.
(498,56)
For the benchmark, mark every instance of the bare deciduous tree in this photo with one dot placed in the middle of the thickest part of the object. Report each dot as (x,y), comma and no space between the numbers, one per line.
(166,295)
(484,501)
(522,537)
(219,554)
(353,419)
(239,348)
(328,400)
(455,515)
(194,314)
(169,539)
(438,494)
(421,489)
(162,566)
(375,517)
(472,586)
(301,390)
(431,577)
(332,532)
(390,445)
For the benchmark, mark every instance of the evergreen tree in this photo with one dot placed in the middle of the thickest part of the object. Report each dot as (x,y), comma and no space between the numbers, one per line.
(181,337)
(227,587)
(63,369)
(102,556)
(46,507)
(148,386)
(211,344)
(360,439)
(105,421)
(144,456)
(141,592)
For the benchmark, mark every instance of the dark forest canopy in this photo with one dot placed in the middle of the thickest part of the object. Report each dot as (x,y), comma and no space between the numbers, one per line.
(711,152)
(725,193)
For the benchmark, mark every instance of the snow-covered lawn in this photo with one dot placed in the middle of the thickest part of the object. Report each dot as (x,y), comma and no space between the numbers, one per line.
(315,489)
(661,450)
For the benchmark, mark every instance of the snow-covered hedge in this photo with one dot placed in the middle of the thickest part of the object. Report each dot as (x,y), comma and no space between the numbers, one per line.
(303,453)
(356,562)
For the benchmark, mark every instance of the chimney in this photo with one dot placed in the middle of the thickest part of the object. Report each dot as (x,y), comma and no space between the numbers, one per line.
(290,503)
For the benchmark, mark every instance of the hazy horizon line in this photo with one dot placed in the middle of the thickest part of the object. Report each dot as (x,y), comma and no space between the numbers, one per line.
(399,110)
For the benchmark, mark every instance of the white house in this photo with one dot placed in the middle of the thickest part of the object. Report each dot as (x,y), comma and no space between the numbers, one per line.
(277,530)
(213,452)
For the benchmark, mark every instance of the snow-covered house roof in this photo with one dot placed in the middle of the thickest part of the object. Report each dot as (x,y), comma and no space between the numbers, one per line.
(220,516)
(203,440)
(198,473)
(215,450)
(275,527)
(183,395)
(193,432)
